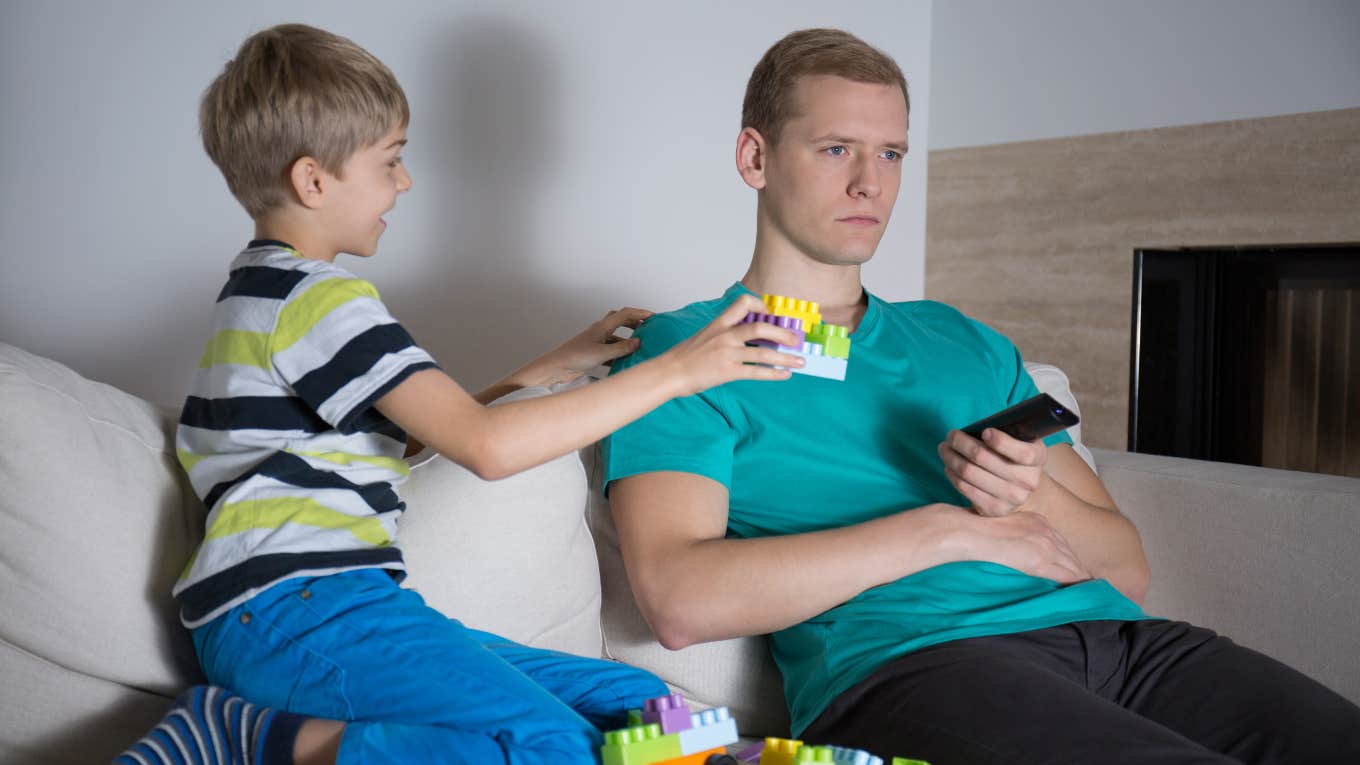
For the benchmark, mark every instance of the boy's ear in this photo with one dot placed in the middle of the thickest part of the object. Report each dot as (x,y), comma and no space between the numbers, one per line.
(752,154)
(309,182)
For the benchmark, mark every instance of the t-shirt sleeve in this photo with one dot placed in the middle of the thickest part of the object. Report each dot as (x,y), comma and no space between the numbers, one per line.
(689,435)
(340,350)
(1012,379)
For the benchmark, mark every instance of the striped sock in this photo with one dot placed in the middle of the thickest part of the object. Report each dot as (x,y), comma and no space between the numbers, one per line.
(212,726)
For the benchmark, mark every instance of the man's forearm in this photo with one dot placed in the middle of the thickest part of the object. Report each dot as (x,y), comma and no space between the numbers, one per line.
(716,588)
(1105,541)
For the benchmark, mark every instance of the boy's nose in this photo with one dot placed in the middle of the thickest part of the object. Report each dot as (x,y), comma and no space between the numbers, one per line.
(403,181)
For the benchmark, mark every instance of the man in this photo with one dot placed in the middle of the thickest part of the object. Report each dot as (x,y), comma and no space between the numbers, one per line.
(928,594)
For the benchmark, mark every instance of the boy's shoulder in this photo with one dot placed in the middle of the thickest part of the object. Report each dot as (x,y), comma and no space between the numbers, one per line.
(277,271)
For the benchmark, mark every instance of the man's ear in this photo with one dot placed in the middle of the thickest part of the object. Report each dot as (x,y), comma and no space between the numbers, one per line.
(309,182)
(752,154)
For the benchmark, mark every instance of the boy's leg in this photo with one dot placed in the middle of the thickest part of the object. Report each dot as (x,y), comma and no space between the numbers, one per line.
(599,690)
(993,700)
(1232,699)
(418,686)
(212,726)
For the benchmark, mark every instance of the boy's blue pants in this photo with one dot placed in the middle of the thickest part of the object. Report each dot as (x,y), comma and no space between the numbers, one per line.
(416,686)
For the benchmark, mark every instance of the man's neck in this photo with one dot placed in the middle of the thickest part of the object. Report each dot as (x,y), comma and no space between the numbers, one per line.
(836,288)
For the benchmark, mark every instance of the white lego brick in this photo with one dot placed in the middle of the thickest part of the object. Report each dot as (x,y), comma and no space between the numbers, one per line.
(823,366)
(712,728)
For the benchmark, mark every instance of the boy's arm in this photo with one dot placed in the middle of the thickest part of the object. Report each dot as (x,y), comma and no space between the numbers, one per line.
(495,442)
(695,585)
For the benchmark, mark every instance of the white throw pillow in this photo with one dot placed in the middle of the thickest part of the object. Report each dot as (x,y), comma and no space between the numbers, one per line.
(513,557)
(1053,381)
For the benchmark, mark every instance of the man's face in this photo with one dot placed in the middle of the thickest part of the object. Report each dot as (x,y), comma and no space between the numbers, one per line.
(832,178)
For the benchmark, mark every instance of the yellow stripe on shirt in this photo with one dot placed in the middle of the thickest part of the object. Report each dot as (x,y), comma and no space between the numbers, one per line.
(398,466)
(236,346)
(304,311)
(250,514)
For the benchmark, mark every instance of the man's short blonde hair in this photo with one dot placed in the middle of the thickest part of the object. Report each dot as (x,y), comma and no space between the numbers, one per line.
(294,91)
(769,101)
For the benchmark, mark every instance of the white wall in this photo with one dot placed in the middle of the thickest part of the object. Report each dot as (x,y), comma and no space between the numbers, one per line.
(568,158)
(1005,71)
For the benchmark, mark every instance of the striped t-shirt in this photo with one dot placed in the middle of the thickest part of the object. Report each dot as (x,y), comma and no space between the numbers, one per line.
(279,435)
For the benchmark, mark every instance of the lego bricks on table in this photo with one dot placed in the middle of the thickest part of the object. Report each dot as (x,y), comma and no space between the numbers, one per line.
(669,734)
(665,732)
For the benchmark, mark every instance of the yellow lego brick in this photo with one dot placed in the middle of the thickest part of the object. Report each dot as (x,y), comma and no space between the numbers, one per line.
(808,311)
(779,751)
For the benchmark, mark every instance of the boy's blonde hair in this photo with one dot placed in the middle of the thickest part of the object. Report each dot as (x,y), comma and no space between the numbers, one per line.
(295,91)
(769,102)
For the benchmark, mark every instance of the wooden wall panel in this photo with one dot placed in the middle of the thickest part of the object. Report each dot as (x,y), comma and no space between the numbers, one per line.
(1037,238)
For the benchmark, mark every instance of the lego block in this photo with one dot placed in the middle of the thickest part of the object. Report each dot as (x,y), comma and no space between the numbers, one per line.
(670,712)
(823,366)
(905,761)
(710,729)
(640,745)
(836,755)
(833,337)
(806,310)
(779,751)
(790,323)
(751,753)
(698,758)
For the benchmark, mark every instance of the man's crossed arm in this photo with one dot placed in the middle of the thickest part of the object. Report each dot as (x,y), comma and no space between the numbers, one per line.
(695,585)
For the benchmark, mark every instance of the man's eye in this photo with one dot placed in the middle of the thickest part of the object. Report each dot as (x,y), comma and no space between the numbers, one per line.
(891,156)
(837,151)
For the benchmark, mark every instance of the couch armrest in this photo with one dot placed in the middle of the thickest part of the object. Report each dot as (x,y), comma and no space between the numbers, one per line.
(1266,557)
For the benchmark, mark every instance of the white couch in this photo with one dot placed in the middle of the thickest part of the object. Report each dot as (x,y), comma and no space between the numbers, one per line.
(96,520)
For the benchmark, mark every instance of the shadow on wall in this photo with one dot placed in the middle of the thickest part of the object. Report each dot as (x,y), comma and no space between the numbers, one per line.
(481,306)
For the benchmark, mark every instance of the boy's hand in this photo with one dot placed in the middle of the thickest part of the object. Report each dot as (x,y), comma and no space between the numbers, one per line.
(718,353)
(997,474)
(595,346)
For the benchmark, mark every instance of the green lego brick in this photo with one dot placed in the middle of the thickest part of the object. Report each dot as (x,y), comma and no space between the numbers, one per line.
(834,338)
(905,761)
(639,745)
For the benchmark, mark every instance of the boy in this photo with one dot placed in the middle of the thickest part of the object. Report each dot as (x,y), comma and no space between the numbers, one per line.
(294,436)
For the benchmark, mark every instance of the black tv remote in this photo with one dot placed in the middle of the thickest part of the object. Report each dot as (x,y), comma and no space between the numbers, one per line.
(1028,420)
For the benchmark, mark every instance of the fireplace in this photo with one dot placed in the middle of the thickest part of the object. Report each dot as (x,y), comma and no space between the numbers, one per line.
(1248,355)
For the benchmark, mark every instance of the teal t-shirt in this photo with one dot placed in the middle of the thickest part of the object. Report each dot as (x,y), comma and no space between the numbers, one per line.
(808,454)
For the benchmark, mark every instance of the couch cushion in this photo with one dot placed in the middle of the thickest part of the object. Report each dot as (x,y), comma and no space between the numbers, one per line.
(512,557)
(96,520)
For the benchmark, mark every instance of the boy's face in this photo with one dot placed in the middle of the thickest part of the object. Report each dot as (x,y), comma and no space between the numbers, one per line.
(832,179)
(366,188)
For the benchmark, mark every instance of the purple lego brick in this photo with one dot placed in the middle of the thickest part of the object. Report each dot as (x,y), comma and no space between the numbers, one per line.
(786,322)
(670,712)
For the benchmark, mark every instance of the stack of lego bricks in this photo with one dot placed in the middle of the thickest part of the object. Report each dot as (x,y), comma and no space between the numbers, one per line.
(825,348)
(664,732)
